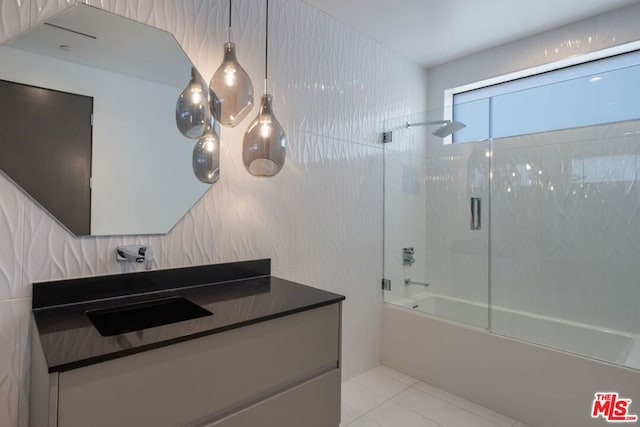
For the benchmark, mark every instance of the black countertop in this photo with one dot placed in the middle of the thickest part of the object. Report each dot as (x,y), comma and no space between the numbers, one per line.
(246,295)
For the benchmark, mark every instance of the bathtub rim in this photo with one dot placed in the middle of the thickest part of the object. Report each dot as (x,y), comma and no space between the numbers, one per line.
(508,337)
(513,377)
(427,294)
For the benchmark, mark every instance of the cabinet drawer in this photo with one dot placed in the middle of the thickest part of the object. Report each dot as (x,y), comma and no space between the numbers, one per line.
(184,382)
(313,404)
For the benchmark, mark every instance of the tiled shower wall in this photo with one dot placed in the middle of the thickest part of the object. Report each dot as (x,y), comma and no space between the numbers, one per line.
(320,219)
(566,235)
(570,252)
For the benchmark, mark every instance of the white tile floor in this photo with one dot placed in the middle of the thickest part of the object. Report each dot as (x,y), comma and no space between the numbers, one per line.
(387,398)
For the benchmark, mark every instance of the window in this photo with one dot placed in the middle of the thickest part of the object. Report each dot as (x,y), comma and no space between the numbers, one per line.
(559,96)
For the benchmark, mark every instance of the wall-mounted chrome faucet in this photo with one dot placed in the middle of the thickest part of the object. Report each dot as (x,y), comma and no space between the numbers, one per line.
(407,256)
(408,259)
(135,253)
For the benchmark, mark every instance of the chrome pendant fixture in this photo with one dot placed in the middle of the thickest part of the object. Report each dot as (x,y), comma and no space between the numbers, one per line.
(232,85)
(264,144)
(192,108)
(206,155)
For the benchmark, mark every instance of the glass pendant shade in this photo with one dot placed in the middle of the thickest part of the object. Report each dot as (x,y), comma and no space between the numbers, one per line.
(264,145)
(232,85)
(192,108)
(206,157)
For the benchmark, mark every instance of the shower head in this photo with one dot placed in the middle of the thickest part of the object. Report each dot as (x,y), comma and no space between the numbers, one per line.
(448,127)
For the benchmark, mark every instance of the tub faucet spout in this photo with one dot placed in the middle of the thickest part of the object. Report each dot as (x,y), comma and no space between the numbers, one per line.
(408,282)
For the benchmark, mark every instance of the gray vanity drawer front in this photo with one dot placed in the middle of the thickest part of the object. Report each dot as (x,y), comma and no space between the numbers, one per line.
(181,383)
(313,404)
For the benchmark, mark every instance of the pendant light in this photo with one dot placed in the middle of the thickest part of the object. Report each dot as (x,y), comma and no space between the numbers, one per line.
(232,85)
(264,145)
(192,108)
(206,155)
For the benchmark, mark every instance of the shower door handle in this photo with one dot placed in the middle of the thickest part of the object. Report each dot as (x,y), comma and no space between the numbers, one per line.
(476,219)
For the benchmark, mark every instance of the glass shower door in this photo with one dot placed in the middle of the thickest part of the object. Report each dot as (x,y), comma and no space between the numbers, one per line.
(526,221)
(436,218)
(565,203)
(565,248)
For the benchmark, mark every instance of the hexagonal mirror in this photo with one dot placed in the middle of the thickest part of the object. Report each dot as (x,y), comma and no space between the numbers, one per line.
(87,123)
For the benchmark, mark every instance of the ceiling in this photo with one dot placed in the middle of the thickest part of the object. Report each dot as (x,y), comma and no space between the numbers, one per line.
(433,32)
(94,37)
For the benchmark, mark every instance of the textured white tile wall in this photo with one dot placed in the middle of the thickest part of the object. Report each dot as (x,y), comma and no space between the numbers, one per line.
(320,219)
(14,328)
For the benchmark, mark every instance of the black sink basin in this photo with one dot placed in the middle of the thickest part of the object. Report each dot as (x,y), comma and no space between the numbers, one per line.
(134,317)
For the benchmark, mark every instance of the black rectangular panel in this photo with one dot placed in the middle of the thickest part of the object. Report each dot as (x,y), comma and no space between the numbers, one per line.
(135,317)
(61,292)
(45,148)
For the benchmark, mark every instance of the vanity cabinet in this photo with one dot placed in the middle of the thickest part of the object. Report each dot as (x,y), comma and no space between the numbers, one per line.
(302,406)
(279,372)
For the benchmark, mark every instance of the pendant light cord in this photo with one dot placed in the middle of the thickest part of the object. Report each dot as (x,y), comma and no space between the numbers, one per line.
(266,49)
(229,33)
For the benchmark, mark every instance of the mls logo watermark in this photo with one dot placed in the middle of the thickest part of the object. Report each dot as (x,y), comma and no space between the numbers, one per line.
(612,408)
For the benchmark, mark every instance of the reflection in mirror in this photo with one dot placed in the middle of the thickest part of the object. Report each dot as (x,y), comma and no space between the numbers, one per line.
(206,155)
(87,123)
(192,108)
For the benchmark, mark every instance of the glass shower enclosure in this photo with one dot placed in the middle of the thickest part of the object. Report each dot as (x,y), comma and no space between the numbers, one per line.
(531,233)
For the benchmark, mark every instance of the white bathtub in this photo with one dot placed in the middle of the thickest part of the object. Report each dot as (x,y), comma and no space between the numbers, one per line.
(535,384)
(600,343)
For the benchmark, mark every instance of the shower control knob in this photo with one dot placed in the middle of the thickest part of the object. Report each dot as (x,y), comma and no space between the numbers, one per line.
(407,256)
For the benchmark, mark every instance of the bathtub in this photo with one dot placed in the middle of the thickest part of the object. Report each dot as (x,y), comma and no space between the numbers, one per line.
(443,341)
(600,343)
